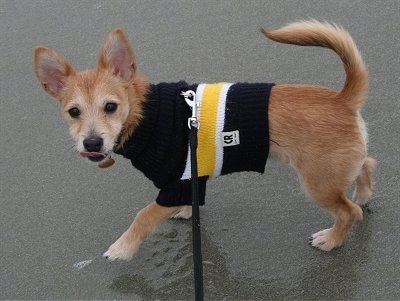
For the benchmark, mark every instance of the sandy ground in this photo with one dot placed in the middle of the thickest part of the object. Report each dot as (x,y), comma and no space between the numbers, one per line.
(58,213)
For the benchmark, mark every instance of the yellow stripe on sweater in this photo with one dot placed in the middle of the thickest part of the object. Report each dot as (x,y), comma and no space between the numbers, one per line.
(206,151)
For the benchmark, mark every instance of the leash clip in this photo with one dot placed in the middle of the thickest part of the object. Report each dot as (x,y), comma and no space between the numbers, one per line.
(190,98)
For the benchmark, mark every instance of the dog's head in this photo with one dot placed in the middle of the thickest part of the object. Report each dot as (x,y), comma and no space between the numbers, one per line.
(102,105)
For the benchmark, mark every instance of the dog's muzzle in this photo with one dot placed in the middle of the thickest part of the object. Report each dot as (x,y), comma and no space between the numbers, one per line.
(93,149)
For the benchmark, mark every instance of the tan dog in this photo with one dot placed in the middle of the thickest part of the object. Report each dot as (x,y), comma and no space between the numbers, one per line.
(320,132)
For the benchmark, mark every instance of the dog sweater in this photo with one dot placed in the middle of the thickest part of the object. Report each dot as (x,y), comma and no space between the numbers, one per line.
(233,136)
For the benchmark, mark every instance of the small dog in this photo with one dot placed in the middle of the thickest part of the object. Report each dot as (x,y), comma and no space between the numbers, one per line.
(319,131)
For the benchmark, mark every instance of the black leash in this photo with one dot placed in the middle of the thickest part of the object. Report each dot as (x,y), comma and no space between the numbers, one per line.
(190,98)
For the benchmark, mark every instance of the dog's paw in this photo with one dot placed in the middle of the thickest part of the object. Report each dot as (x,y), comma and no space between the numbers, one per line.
(324,240)
(362,196)
(123,249)
(185,212)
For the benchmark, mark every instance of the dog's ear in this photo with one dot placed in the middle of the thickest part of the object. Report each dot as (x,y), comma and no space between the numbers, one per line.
(52,70)
(117,55)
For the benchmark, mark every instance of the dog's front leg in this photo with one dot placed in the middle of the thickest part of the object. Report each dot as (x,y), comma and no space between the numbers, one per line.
(144,223)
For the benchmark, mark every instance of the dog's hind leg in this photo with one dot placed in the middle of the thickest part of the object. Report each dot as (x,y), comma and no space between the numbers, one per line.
(144,223)
(345,213)
(364,182)
(326,183)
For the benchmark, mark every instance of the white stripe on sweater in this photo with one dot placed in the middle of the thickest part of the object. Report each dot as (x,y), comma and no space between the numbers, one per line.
(219,160)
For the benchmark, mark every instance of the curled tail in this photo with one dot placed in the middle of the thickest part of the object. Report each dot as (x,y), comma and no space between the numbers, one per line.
(329,35)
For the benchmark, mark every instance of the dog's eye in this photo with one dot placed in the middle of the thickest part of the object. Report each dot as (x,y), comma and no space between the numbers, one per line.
(74,112)
(110,107)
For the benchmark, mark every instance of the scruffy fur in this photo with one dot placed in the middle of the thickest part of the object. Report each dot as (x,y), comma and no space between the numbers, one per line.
(319,131)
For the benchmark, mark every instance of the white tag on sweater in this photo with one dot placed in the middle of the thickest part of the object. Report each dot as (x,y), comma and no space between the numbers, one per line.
(230,138)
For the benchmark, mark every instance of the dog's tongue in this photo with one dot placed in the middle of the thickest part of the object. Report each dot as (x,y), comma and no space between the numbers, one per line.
(92,154)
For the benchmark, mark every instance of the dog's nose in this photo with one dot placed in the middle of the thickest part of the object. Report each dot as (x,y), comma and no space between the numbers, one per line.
(93,143)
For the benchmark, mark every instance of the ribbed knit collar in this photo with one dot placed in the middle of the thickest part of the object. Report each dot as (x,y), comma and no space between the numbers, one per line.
(159,96)
(137,142)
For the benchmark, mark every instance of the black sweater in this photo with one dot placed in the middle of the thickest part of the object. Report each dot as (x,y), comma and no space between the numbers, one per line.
(159,145)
